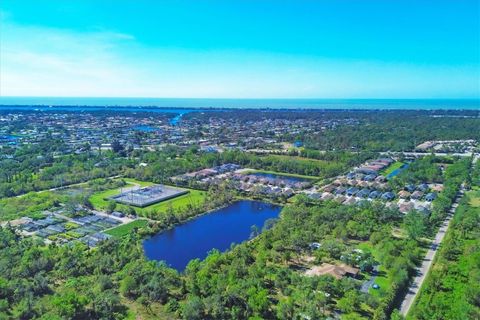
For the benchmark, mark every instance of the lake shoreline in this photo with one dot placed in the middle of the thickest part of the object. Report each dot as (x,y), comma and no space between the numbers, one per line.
(217,230)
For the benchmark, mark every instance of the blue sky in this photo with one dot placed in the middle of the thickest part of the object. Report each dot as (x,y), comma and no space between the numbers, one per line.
(241,49)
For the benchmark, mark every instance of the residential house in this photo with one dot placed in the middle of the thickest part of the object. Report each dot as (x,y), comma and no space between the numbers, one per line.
(337,272)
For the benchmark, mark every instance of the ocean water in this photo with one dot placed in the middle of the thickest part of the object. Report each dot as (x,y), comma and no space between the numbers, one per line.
(173,104)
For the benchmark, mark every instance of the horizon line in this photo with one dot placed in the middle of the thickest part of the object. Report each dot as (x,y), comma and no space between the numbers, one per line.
(233,98)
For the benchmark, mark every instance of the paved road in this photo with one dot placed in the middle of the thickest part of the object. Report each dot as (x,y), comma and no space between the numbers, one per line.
(428,260)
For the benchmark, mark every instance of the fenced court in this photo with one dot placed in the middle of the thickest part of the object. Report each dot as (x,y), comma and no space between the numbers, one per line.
(144,197)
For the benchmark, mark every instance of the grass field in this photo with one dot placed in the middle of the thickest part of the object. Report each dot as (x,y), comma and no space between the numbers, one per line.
(282,174)
(137,182)
(474,198)
(98,198)
(394,166)
(125,229)
(383,281)
(192,197)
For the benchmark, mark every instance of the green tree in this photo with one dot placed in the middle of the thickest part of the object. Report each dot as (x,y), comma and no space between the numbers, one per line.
(69,304)
(128,286)
(111,205)
(414,224)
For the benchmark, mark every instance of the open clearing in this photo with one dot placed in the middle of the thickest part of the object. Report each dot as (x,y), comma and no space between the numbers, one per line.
(382,279)
(125,229)
(193,197)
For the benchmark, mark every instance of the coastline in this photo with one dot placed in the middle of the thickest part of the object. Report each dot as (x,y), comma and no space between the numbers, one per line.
(199,104)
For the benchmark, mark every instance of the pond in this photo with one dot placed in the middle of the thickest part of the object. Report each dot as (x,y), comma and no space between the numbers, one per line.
(8,137)
(397,171)
(215,230)
(290,179)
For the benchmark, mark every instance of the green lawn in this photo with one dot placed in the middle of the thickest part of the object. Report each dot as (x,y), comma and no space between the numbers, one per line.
(474,198)
(194,197)
(282,174)
(383,281)
(98,199)
(125,229)
(134,181)
(394,166)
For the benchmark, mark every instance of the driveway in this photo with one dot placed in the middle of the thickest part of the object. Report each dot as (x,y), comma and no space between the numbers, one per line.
(368,284)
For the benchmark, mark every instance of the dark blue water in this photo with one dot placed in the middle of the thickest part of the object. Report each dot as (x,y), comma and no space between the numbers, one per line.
(177,118)
(177,112)
(215,230)
(397,171)
(8,137)
(279,176)
(171,103)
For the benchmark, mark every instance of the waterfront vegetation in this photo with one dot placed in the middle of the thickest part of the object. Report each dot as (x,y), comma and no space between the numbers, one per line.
(263,278)
(425,170)
(268,265)
(394,166)
(259,279)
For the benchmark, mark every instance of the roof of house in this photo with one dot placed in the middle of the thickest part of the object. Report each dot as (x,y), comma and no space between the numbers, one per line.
(375,194)
(388,195)
(410,187)
(336,271)
(363,193)
(417,194)
(349,201)
(405,207)
(431,196)
(404,194)
(327,196)
(329,188)
(422,186)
